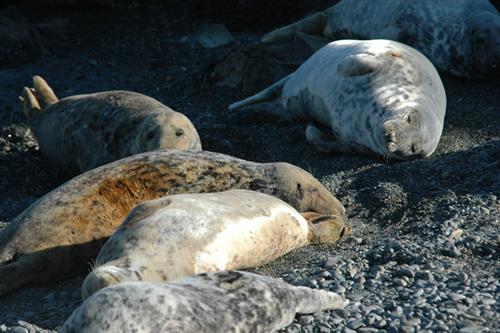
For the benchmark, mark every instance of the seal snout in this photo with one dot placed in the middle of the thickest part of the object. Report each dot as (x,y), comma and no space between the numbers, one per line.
(101,277)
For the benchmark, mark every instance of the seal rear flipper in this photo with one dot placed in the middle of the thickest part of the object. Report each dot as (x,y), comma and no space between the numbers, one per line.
(313,24)
(270,94)
(312,300)
(29,104)
(43,92)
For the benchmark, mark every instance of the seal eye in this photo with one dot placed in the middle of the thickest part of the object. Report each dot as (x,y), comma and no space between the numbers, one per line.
(179,132)
(150,135)
(408,119)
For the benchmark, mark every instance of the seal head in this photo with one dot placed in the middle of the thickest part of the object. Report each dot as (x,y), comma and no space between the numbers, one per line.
(169,131)
(304,192)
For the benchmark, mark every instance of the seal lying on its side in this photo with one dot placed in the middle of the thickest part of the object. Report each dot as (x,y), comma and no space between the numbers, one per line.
(378,97)
(82,132)
(460,37)
(228,301)
(60,233)
(186,234)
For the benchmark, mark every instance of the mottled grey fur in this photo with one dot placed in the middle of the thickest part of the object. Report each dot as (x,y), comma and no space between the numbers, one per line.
(228,301)
(378,97)
(82,132)
(460,37)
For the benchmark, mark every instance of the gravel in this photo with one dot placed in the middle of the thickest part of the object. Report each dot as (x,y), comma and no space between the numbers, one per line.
(424,252)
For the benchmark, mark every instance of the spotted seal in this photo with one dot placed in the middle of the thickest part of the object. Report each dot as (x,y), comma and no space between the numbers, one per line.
(460,37)
(228,301)
(187,234)
(378,97)
(82,132)
(60,233)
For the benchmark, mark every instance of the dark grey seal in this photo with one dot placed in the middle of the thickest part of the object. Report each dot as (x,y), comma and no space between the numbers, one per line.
(460,37)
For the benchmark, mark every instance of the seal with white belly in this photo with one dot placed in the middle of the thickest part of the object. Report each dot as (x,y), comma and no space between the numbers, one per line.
(186,234)
(228,301)
(378,97)
(58,235)
(82,132)
(460,37)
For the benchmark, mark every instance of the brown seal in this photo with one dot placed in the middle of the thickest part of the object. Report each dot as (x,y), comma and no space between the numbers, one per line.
(59,234)
(82,132)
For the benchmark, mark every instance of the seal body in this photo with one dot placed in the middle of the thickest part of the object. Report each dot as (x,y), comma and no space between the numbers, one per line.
(79,133)
(186,234)
(460,37)
(378,97)
(228,301)
(60,233)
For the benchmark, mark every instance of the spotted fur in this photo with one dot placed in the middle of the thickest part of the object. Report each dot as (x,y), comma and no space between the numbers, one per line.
(82,132)
(228,301)
(186,234)
(378,97)
(460,37)
(63,231)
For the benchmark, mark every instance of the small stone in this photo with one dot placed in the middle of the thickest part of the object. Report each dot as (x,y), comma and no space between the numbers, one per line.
(338,289)
(452,251)
(306,320)
(400,282)
(457,297)
(93,62)
(333,262)
(354,324)
(214,35)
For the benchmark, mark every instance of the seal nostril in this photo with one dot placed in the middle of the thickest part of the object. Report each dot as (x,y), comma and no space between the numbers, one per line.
(413,148)
(150,135)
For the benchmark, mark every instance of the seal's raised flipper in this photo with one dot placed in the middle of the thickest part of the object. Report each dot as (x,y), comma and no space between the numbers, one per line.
(29,103)
(266,100)
(43,92)
(315,137)
(311,300)
(313,24)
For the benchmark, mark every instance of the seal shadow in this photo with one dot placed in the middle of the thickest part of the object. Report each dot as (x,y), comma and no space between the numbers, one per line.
(388,194)
(36,268)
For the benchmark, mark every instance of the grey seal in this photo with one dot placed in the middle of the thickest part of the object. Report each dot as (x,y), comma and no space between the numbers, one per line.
(58,235)
(460,37)
(228,301)
(82,132)
(186,234)
(378,97)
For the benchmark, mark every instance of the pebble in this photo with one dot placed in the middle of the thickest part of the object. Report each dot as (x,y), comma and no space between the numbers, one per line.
(306,320)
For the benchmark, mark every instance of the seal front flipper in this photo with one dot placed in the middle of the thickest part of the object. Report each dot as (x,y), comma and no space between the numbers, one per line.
(314,24)
(315,137)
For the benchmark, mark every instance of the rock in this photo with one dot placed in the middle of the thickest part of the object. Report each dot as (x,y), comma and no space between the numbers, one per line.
(306,320)
(214,35)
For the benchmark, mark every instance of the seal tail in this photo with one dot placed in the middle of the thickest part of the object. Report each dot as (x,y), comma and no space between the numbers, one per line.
(311,300)
(313,24)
